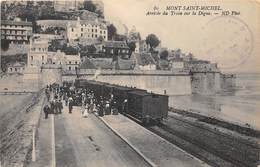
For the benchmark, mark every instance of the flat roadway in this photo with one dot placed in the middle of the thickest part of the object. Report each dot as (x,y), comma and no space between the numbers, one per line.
(69,140)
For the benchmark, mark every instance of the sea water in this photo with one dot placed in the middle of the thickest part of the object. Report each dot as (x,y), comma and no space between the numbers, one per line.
(240,106)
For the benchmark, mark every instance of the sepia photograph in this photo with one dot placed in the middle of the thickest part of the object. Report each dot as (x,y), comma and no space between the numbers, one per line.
(130,83)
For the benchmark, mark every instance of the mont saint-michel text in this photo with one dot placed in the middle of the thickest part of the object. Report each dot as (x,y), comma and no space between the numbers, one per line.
(215,8)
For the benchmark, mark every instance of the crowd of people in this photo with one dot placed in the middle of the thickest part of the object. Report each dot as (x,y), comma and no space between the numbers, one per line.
(86,99)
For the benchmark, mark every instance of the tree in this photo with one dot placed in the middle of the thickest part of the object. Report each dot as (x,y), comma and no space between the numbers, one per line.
(100,13)
(120,37)
(177,53)
(135,36)
(88,5)
(131,46)
(164,55)
(112,31)
(152,40)
(5,44)
(100,39)
(56,45)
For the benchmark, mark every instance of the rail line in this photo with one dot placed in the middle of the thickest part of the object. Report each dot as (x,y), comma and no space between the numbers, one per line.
(197,149)
(187,144)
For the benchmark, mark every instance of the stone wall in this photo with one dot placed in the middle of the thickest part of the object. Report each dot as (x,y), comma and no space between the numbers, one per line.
(38,78)
(205,83)
(16,131)
(228,81)
(50,75)
(157,83)
(171,85)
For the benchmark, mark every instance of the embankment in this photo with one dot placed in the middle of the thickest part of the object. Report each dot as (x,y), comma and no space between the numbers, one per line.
(16,129)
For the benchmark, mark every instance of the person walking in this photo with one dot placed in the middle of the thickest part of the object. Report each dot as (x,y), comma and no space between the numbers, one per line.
(52,107)
(114,108)
(47,93)
(59,106)
(107,108)
(70,104)
(101,108)
(56,104)
(46,110)
(66,99)
(91,106)
(85,112)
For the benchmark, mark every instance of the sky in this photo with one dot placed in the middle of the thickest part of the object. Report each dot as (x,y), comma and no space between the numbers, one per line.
(231,41)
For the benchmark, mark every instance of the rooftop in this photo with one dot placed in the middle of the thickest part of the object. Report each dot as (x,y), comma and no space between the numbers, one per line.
(115,44)
(17,64)
(73,23)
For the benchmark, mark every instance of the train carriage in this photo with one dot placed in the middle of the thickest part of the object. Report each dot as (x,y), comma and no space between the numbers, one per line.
(134,102)
(147,106)
(107,90)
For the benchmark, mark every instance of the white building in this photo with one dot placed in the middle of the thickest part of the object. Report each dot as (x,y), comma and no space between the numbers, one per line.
(141,47)
(16,31)
(72,62)
(39,55)
(86,29)
(67,62)
(147,67)
(16,68)
(177,64)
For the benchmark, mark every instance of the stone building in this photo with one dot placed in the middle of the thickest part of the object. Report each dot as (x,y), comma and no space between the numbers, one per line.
(141,47)
(15,68)
(37,52)
(39,56)
(72,62)
(16,31)
(59,59)
(114,49)
(86,29)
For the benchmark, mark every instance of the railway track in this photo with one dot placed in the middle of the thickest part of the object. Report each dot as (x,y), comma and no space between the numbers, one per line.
(190,147)
(207,154)
(186,143)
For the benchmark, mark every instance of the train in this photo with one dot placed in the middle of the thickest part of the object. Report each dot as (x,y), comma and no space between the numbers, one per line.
(139,104)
